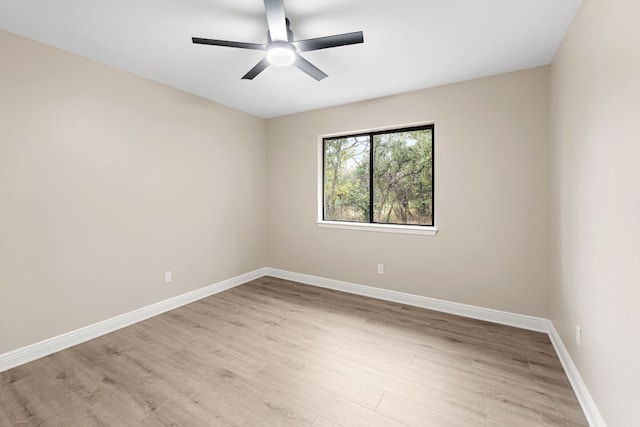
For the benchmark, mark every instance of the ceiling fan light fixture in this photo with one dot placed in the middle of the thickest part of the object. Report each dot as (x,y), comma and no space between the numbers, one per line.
(282,49)
(281,54)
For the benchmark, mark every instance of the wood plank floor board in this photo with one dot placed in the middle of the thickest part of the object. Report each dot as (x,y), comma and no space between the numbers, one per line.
(414,415)
(231,308)
(503,411)
(268,400)
(323,422)
(329,381)
(4,418)
(460,379)
(327,404)
(370,342)
(113,380)
(278,353)
(448,393)
(191,409)
(380,379)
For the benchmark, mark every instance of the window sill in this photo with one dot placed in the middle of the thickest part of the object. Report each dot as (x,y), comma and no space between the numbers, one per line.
(380,228)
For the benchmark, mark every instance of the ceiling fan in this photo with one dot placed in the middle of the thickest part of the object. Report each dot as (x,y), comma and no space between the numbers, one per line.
(282,50)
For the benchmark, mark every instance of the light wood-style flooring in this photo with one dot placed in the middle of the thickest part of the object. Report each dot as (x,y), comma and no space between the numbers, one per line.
(278,353)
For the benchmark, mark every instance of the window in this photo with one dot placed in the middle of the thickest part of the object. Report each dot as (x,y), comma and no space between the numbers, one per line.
(380,177)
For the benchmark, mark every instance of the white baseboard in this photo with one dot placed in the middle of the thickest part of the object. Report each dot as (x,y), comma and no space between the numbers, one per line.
(496,316)
(46,347)
(587,403)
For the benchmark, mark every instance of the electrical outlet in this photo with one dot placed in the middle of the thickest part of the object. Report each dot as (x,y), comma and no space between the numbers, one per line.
(167,277)
(578,335)
(380,268)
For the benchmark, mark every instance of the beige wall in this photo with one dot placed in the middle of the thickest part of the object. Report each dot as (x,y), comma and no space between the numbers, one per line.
(595,95)
(106,181)
(492,196)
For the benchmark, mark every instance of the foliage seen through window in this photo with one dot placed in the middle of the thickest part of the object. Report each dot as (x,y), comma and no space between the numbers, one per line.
(398,189)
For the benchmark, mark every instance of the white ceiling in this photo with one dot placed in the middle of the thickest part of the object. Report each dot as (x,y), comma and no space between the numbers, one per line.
(409,44)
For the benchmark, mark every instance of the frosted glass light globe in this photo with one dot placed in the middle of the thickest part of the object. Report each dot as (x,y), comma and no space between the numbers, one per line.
(281,54)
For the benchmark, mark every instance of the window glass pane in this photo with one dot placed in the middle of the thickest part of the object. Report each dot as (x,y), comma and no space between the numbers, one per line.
(346,178)
(402,178)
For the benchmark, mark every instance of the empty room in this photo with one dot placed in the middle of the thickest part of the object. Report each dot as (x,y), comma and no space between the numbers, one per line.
(297,213)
